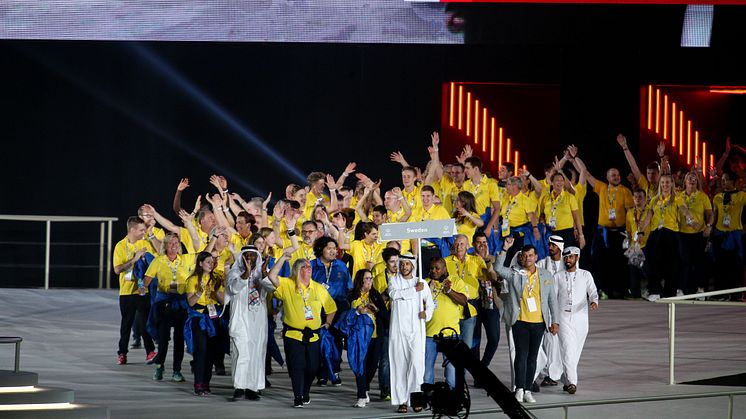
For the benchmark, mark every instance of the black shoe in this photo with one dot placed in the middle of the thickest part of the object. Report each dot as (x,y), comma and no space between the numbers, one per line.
(267,383)
(307,399)
(548,382)
(535,388)
(298,402)
(321,382)
(477,384)
(252,395)
(238,394)
(336,381)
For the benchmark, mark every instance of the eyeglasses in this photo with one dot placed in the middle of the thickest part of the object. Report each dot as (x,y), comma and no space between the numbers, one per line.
(306,267)
(308,231)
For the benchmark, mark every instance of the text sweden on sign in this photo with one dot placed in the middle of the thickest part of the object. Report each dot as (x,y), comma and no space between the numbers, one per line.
(424,229)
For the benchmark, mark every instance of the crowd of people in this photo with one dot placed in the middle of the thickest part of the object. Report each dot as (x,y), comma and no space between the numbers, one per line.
(222,280)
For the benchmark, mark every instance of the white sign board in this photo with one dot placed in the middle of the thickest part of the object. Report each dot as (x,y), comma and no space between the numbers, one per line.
(418,230)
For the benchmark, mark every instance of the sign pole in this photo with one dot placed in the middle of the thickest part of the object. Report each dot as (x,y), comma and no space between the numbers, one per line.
(419,258)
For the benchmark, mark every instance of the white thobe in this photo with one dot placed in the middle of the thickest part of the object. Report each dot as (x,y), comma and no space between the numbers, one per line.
(248,327)
(576,290)
(549,360)
(407,336)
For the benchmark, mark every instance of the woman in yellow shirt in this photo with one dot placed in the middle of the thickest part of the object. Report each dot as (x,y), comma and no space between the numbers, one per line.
(205,296)
(367,301)
(302,299)
(696,220)
(662,219)
(726,238)
(561,214)
(465,213)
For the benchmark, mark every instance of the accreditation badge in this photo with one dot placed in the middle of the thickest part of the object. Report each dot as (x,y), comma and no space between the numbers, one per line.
(726,220)
(531,304)
(612,214)
(212,311)
(128,276)
(308,313)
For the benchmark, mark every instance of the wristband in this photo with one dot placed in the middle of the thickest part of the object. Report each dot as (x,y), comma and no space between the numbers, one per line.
(401,198)
(291,233)
(225,191)
(226,209)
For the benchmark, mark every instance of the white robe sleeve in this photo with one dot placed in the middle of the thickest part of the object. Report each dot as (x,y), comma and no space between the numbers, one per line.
(427,298)
(398,290)
(591,288)
(235,283)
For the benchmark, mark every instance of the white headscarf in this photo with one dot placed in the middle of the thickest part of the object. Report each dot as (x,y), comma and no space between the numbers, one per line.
(239,268)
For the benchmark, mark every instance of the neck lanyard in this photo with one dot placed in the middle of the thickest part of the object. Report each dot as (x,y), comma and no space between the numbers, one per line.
(365,252)
(533,279)
(174,268)
(460,270)
(611,198)
(570,283)
(510,206)
(328,272)
(554,203)
(305,295)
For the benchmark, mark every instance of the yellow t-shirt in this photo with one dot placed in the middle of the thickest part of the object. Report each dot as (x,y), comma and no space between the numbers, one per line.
(532,289)
(485,193)
(295,298)
(160,235)
(311,203)
(562,207)
(697,203)
(446,313)
(651,191)
(304,252)
(580,191)
(413,198)
(469,272)
(517,209)
(449,192)
(364,300)
(467,227)
(634,219)
(617,197)
(207,297)
(435,212)
(123,252)
(733,209)
(238,241)
(225,257)
(186,238)
(362,253)
(397,217)
(168,272)
(665,213)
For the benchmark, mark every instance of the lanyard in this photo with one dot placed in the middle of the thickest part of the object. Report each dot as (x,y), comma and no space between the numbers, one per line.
(410,196)
(533,278)
(174,268)
(554,203)
(305,296)
(127,248)
(460,271)
(570,283)
(609,197)
(328,272)
(365,252)
(510,206)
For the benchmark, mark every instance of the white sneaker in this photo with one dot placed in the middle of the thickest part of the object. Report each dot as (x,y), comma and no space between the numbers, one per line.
(519,395)
(679,293)
(528,397)
(359,403)
(654,297)
(367,398)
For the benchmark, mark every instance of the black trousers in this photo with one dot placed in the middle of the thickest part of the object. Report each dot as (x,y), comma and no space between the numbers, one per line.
(134,308)
(170,319)
(527,338)
(303,360)
(728,266)
(609,263)
(371,365)
(568,235)
(205,348)
(691,274)
(662,261)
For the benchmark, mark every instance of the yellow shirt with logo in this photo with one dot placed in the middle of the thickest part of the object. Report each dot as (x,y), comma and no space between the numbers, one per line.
(516,209)
(651,191)
(617,197)
(176,271)
(580,191)
(532,289)
(697,203)
(634,219)
(123,252)
(414,198)
(435,212)
(207,293)
(470,272)
(447,313)
(563,206)
(733,209)
(363,253)
(665,213)
(186,238)
(467,227)
(295,297)
(239,241)
(485,193)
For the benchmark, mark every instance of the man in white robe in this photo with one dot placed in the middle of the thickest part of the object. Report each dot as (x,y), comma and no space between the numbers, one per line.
(549,361)
(411,306)
(577,292)
(247,291)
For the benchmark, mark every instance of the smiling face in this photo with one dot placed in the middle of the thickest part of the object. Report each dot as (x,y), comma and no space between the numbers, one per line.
(613,177)
(329,253)
(392,265)
(405,268)
(367,282)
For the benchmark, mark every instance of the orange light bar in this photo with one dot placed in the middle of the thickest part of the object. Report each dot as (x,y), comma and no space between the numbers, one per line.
(712,160)
(468,113)
(673,124)
(665,117)
(681,133)
(704,159)
(507,152)
(516,163)
(689,141)
(492,140)
(460,105)
(450,110)
(500,148)
(657,109)
(476,121)
(484,130)
(650,106)
(729,91)
(696,145)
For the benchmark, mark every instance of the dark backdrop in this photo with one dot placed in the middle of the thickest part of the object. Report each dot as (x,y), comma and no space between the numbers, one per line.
(97,128)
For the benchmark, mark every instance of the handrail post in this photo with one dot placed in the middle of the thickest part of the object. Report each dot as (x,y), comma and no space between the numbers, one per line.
(671,341)
(108,258)
(566,410)
(101,256)
(46,255)
(730,406)
(17,367)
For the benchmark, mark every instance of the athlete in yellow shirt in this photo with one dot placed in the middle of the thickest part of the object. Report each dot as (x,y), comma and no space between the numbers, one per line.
(696,218)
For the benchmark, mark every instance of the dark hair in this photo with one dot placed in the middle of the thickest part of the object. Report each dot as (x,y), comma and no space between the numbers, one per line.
(458,165)
(380,209)
(366,228)
(293,203)
(509,166)
(653,166)
(320,244)
(313,213)
(548,167)
(427,188)
(474,161)
(389,252)
(133,221)
(528,247)
(315,176)
(250,220)
(357,285)
(312,223)
(469,203)
(478,233)
(555,175)
(203,212)
(198,271)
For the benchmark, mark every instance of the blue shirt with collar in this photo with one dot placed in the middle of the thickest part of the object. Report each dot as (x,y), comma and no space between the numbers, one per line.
(338,282)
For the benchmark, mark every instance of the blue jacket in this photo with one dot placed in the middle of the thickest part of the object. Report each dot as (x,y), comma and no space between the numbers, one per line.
(339,281)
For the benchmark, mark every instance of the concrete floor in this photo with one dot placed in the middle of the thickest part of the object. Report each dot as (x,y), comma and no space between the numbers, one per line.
(70,339)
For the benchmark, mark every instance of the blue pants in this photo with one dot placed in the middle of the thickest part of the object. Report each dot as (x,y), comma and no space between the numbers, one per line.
(431,354)
(384,377)
(490,318)
(467,329)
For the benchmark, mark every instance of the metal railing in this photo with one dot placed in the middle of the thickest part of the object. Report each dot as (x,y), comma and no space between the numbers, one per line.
(690,299)
(565,406)
(17,340)
(105,236)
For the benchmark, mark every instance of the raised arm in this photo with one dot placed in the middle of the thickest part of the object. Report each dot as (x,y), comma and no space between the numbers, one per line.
(398,157)
(165,223)
(537,185)
(665,164)
(630,158)
(183,184)
(186,219)
(404,204)
(436,167)
(217,206)
(274,273)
